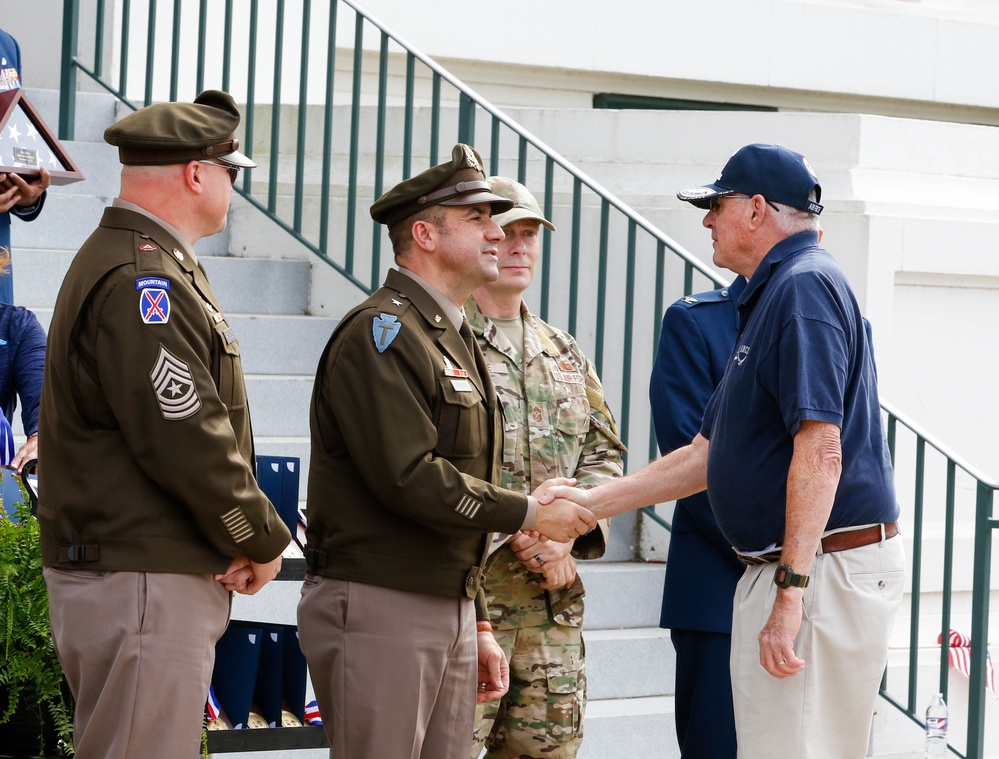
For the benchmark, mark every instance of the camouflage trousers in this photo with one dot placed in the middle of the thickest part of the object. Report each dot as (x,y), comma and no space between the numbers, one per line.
(542,713)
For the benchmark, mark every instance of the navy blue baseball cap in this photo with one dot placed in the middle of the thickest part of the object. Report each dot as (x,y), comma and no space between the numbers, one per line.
(778,174)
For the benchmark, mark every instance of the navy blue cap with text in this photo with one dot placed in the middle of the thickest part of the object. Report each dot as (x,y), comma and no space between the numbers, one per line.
(778,174)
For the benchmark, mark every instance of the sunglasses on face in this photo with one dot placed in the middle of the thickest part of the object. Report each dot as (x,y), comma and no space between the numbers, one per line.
(233,170)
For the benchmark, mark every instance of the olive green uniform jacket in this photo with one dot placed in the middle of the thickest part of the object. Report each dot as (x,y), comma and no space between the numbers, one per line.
(145,445)
(404,448)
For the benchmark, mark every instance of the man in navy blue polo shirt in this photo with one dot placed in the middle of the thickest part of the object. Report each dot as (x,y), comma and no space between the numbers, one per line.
(793,454)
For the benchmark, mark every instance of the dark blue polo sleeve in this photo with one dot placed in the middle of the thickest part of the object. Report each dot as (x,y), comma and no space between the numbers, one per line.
(29,363)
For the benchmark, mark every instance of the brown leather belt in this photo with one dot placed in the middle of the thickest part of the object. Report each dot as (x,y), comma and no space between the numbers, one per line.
(838,541)
(843,541)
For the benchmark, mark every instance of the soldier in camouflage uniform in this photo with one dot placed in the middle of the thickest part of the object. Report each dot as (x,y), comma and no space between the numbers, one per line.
(556,424)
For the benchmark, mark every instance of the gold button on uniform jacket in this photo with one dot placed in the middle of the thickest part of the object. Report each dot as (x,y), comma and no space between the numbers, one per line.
(145,447)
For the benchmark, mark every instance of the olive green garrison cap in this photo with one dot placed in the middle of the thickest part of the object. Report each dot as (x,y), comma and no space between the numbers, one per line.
(166,133)
(460,182)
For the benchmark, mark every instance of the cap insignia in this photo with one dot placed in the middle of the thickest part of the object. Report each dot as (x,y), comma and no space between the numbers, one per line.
(470,159)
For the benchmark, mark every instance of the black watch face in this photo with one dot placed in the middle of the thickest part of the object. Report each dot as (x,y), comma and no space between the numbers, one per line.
(780,576)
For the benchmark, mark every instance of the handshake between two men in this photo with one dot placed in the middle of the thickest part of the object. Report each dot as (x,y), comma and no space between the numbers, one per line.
(561,518)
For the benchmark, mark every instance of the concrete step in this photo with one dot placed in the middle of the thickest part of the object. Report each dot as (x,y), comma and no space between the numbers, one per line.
(629,663)
(630,728)
(281,344)
(622,595)
(275,344)
(95,111)
(279,404)
(101,169)
(259,285)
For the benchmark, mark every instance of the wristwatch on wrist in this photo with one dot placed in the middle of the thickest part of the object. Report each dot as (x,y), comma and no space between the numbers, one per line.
(785,577)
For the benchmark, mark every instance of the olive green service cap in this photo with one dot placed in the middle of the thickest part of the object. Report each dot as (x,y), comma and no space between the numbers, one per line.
(458,183)
(525,205)
(167,133)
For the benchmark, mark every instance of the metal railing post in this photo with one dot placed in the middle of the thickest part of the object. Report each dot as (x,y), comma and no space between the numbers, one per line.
(303,113)
(67,85)
(466,119)
(150,52)
(984,524)
(275,156)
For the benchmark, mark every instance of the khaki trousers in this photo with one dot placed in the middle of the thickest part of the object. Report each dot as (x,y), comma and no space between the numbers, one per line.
(138,650)
(825,711)
(394,672)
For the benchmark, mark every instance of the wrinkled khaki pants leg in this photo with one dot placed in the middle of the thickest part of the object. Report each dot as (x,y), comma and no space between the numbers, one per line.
(824,712)
(138,650)
(394,672)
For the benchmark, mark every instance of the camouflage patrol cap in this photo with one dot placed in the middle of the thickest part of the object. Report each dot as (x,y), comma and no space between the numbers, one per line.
(457,183)
(167,133)
(525,205)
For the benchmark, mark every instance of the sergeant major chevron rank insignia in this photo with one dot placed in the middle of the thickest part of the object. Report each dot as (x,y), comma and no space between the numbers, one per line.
(174,387)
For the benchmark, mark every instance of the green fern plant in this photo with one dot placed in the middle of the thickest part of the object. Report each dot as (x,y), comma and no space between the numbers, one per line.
(31,678)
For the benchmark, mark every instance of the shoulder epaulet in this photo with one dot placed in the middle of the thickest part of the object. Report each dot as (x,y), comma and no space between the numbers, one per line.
(554,341)
(711,296)
(392,303)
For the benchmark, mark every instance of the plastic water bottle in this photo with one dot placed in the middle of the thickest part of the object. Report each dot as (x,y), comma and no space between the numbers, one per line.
(936,728)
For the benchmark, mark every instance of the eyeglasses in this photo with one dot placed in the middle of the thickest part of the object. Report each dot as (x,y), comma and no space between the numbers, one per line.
(715,205)
(233,170)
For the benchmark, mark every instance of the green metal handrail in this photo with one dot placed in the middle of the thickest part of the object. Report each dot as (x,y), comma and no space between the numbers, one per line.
(607,255)
(352,245)
(978,500)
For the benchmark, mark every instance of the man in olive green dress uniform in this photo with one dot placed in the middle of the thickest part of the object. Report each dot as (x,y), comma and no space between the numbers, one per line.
(149,509)
(556,423)
(405,452)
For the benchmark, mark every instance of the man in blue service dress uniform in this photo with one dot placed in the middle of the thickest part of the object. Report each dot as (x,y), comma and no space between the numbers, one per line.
(793,454)
(18,197)
(702,570)
(406,449)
